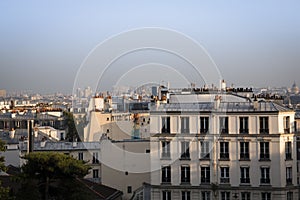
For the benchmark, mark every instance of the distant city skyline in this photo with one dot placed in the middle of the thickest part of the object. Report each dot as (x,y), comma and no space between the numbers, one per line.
(44,43)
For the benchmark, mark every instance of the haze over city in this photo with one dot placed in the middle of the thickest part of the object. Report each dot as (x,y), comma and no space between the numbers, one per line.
(44,43)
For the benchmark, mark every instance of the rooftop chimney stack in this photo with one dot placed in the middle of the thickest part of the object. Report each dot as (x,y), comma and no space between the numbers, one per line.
(217,102)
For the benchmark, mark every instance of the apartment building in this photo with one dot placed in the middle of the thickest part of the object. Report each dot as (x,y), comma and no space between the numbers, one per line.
(228,148)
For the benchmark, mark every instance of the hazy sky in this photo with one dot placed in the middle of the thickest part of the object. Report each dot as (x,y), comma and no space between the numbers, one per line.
(43,43)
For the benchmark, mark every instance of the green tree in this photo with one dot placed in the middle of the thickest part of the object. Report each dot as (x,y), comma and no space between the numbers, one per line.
(72,133)
(49,172)
(4,192)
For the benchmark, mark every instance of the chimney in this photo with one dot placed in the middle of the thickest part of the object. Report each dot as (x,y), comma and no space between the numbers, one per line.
(255,103)
(30,136)
(223,85)
(12,133)
(217,102)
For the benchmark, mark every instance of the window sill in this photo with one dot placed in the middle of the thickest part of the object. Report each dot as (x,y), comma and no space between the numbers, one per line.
(188,159)
(204,159)
(166,183)
(244,159)
(224,159)
(265,160)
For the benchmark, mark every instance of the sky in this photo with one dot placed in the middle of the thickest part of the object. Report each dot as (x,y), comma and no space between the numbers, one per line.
(44,43)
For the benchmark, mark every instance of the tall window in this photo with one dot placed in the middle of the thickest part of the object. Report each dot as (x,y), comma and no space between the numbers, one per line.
(289,196)
(166,174)
(224,125)
(185,150)
(289,176)
(286,121)
(244,151)
(95,173)
(80,155)
(224,175)
(205,195)
(245,196)
(185,125)
(244,125)
(185,174)
(265,175)
(288,150)
(264,125)
(186,195)
(204,124)
(165,122)
(205,175)
(95,158)
(224,150)
(166,195)
(245,178)
(165,149)
(266,196)
(264,151)
(225,195)
(204,154)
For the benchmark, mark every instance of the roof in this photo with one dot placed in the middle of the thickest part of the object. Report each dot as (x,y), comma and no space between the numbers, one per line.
(62,146)
(224,107)
(297,114)
(102,191)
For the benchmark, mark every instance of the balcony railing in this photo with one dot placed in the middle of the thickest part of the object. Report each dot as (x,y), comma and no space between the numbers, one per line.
(224,180)
(264,131)
(224,156)
(265,181)
(203,131)
(166,180)
(288,156)
(289,181)
(185,180)
(205,180)
(224,131)
(245,180)
(244,131)
(205,156)
(264,157)
(185,130)
(165,155)
(165,130)
(244,156)
(185,156)
(287,130)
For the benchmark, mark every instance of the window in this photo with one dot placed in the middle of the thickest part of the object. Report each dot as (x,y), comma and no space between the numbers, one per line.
(224,150)
(265,175)
(166,195)
(289,196)
(186,195)
(129,189)
(147,150)
(204,154)
(245,196)
(185,126)
(204,124)
(264,125)
(224,175)
(80,155)
(205,195)
(265,196)
(224,125)
(288,150)
(289,177)
(165,122)
(244,125)
(185,150)
(165,149)
(264,151)
(95,158)
(286,121)
(245,178)
(244,150)
(205,175)
(225,195)
(95,173)
(166,174)
(185,174)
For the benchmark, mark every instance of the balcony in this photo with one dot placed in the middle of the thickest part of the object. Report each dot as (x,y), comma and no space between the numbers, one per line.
(205,180)
(166,180)
(264,157)
(224,156)
(224,131)
(165,130)
(245,180)
(224,180)
(244,131)
(185,180)
(203,131)
(245,156)
(264,131)
(287,130)
(288,156)
(265,181)
(289,181)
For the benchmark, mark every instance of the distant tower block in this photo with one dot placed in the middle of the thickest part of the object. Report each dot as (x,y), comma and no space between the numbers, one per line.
(154,90)
(223,85)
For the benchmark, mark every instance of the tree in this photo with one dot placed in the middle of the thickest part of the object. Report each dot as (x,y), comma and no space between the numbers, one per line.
(4,192)
(50,171)
(72,133)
